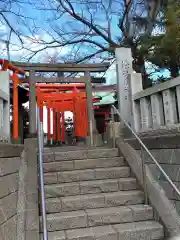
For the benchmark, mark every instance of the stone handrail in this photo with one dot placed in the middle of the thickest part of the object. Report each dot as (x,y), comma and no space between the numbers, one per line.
(157,88)
(157,107)
(152,109)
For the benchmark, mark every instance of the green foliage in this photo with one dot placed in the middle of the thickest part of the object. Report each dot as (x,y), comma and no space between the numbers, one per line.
(163,49)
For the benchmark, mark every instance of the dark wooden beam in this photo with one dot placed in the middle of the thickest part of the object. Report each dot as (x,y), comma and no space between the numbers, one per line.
(81,79)
(98,79)
(62,67)
(58,80)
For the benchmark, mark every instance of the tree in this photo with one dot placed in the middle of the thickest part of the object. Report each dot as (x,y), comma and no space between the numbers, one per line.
(6,9)
(93,29)
(163,48)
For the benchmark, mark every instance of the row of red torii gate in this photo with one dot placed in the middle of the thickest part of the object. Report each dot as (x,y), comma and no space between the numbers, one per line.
(56,97)
(60,98)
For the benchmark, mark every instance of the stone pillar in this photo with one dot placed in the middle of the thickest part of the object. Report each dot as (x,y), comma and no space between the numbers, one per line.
(89,101)
(146,117)
(170,110)
(157,110)
(5,107)
(1,119)
(31,223)
(94,137)
(135,86)
(124,68)
(21,123)
(32,104)
(6,120)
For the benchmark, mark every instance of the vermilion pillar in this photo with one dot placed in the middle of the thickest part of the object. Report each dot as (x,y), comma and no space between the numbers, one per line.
(58,128)
(54,126)
(15,108)
(48,125)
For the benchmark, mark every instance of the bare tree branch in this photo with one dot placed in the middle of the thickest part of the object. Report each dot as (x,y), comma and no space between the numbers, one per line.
(84,21)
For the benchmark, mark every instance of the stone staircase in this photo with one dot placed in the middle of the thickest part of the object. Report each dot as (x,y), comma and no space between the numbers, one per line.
(91,195)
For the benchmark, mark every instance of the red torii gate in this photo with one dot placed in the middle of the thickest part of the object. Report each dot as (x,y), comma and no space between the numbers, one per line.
(49,88)
(61,98)
(5,66)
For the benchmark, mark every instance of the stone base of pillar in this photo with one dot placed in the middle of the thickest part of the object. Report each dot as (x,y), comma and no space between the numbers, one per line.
(57,143)
(80,141)
(32,135)
(125,132)
(16,141)
(97,140)
(105,137)
(80,144)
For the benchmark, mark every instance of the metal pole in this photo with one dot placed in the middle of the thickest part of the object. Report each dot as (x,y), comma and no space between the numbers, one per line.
(144,177)
(41,149)
(113,128)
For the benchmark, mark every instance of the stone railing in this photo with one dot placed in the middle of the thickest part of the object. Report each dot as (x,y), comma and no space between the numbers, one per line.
(157,107)
(152,109)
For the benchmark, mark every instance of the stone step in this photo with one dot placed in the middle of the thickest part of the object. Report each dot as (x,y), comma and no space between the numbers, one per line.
(146,230)
(84,164)
(91,201)
(98,217)
(69,148)
(88,187)
(85,175)
(81,154)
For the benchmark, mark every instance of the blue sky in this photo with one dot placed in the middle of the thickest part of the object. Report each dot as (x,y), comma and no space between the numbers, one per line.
(44,22)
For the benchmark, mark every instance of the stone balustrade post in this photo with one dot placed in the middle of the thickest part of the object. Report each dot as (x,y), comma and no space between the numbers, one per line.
(5,135)
(32,104)
(124,68)
(135,86)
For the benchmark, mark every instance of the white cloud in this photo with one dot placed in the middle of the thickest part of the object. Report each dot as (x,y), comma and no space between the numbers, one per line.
(30,45)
